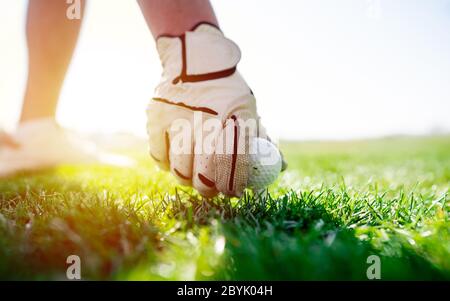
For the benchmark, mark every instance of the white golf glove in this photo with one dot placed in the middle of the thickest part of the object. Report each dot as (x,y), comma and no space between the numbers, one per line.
(194,120)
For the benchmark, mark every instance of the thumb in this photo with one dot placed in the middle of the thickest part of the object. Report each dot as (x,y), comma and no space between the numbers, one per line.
(232,158)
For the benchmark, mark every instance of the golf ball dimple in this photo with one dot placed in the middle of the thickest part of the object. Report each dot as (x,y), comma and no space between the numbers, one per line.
(265,163)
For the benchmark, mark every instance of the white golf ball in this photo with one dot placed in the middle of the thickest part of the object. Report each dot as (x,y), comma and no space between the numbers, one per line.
(265,163)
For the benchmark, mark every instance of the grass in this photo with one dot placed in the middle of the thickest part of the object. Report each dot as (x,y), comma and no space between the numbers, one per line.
(339,203)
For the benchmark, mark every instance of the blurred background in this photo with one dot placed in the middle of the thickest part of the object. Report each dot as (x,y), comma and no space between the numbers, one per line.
(320,69)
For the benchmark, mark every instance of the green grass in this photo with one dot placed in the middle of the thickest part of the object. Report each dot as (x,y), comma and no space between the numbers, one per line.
(339,203)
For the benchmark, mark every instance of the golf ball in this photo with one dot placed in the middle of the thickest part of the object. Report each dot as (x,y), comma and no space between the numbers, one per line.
(265,163)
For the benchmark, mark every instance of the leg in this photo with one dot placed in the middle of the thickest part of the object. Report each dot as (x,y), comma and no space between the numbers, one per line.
(175,17)
(38,141)
(51,39)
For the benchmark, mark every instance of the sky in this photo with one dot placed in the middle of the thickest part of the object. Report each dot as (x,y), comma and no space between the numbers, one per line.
(320,69)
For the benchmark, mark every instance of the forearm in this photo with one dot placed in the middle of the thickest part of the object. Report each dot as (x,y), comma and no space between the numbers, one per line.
(175,17)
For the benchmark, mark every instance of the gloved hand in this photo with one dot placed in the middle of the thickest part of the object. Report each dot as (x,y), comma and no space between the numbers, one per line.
(196,119)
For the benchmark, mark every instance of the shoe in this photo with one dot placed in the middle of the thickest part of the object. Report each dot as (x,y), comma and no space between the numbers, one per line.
(42,143)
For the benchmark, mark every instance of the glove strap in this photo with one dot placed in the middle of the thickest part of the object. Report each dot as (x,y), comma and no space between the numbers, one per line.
(185,78)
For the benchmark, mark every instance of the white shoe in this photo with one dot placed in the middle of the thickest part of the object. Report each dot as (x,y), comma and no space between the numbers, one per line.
(43,143)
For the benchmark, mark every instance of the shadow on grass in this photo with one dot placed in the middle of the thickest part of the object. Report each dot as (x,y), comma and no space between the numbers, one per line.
(46,216)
